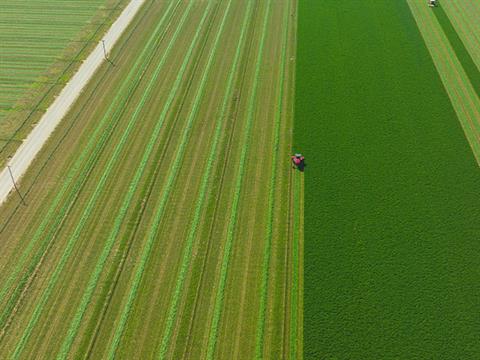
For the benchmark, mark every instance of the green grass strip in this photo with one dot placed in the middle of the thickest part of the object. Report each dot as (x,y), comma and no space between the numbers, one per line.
(295,259)
(87,296)
(117,105)
(462,53)
(212,340)
(271,197)
(173,308)
(45,296)
(169,185)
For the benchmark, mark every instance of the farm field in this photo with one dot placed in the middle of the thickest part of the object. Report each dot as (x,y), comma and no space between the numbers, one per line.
(387,111)
(163,218)
(41,45)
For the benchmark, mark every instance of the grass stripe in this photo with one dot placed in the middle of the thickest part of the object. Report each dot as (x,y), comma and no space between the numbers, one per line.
(169,185)
(135,76)
(212,340)
(461,52)
(271,197)
(58,215)
(86,298)
(70,245)
(462,95)
(173,308)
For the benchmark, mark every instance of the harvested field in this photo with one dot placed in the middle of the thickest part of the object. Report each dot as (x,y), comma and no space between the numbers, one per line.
(384,110)
(163,218)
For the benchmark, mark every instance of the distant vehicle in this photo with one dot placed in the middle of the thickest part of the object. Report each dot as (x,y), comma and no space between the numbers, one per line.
(432,3)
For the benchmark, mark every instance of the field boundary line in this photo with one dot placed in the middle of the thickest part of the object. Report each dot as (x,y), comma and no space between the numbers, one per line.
(233,215)
(173,308)
(259,346)
(71,242)
(34,142)
(180,151)
(98,146)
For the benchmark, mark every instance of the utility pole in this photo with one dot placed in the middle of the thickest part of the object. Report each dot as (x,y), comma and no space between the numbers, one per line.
(15,185)
(105,53)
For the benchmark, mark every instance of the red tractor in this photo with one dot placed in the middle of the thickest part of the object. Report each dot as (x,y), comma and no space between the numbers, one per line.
(298,161)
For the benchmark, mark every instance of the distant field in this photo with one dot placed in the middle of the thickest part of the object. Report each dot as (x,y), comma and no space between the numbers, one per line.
(163,218)
(41,45)
(392,190)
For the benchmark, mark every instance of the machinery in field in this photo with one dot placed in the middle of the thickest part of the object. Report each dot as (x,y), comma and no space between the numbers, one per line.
(432,3)
(298,161)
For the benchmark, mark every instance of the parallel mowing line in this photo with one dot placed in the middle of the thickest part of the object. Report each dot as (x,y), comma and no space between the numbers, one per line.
(471,42)
(271,197)
(169,185)
(72,241)
(456,89)
(87,296)
(97,145)
(464,85)
(295,260)
(173,308)
(212,341)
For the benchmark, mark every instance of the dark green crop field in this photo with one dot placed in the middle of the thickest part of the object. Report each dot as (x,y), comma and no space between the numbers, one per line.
(392,191)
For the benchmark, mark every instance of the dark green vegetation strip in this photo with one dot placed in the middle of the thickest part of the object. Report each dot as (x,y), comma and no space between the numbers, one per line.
(392,189)
(460,50)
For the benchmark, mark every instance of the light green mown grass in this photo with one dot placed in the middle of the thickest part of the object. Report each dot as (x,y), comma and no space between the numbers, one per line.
(463,95)
(120,249)
(53,212)
(464,16)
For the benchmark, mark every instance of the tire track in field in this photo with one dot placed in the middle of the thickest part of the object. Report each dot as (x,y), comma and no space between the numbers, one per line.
(185,264)
(259,347)
(165,193)
(81,179)
(100,185)
(73,122)
(221,185)
(233,215)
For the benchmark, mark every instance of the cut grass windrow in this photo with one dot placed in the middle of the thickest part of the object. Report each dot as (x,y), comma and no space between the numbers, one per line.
(86,298)
(165,193)
(98,144)
(173,308)
(86,212)
(271,196)
(212,339)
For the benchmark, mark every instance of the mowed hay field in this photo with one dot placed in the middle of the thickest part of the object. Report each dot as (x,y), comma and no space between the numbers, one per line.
(388,122)
(161,217)
(42,43)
